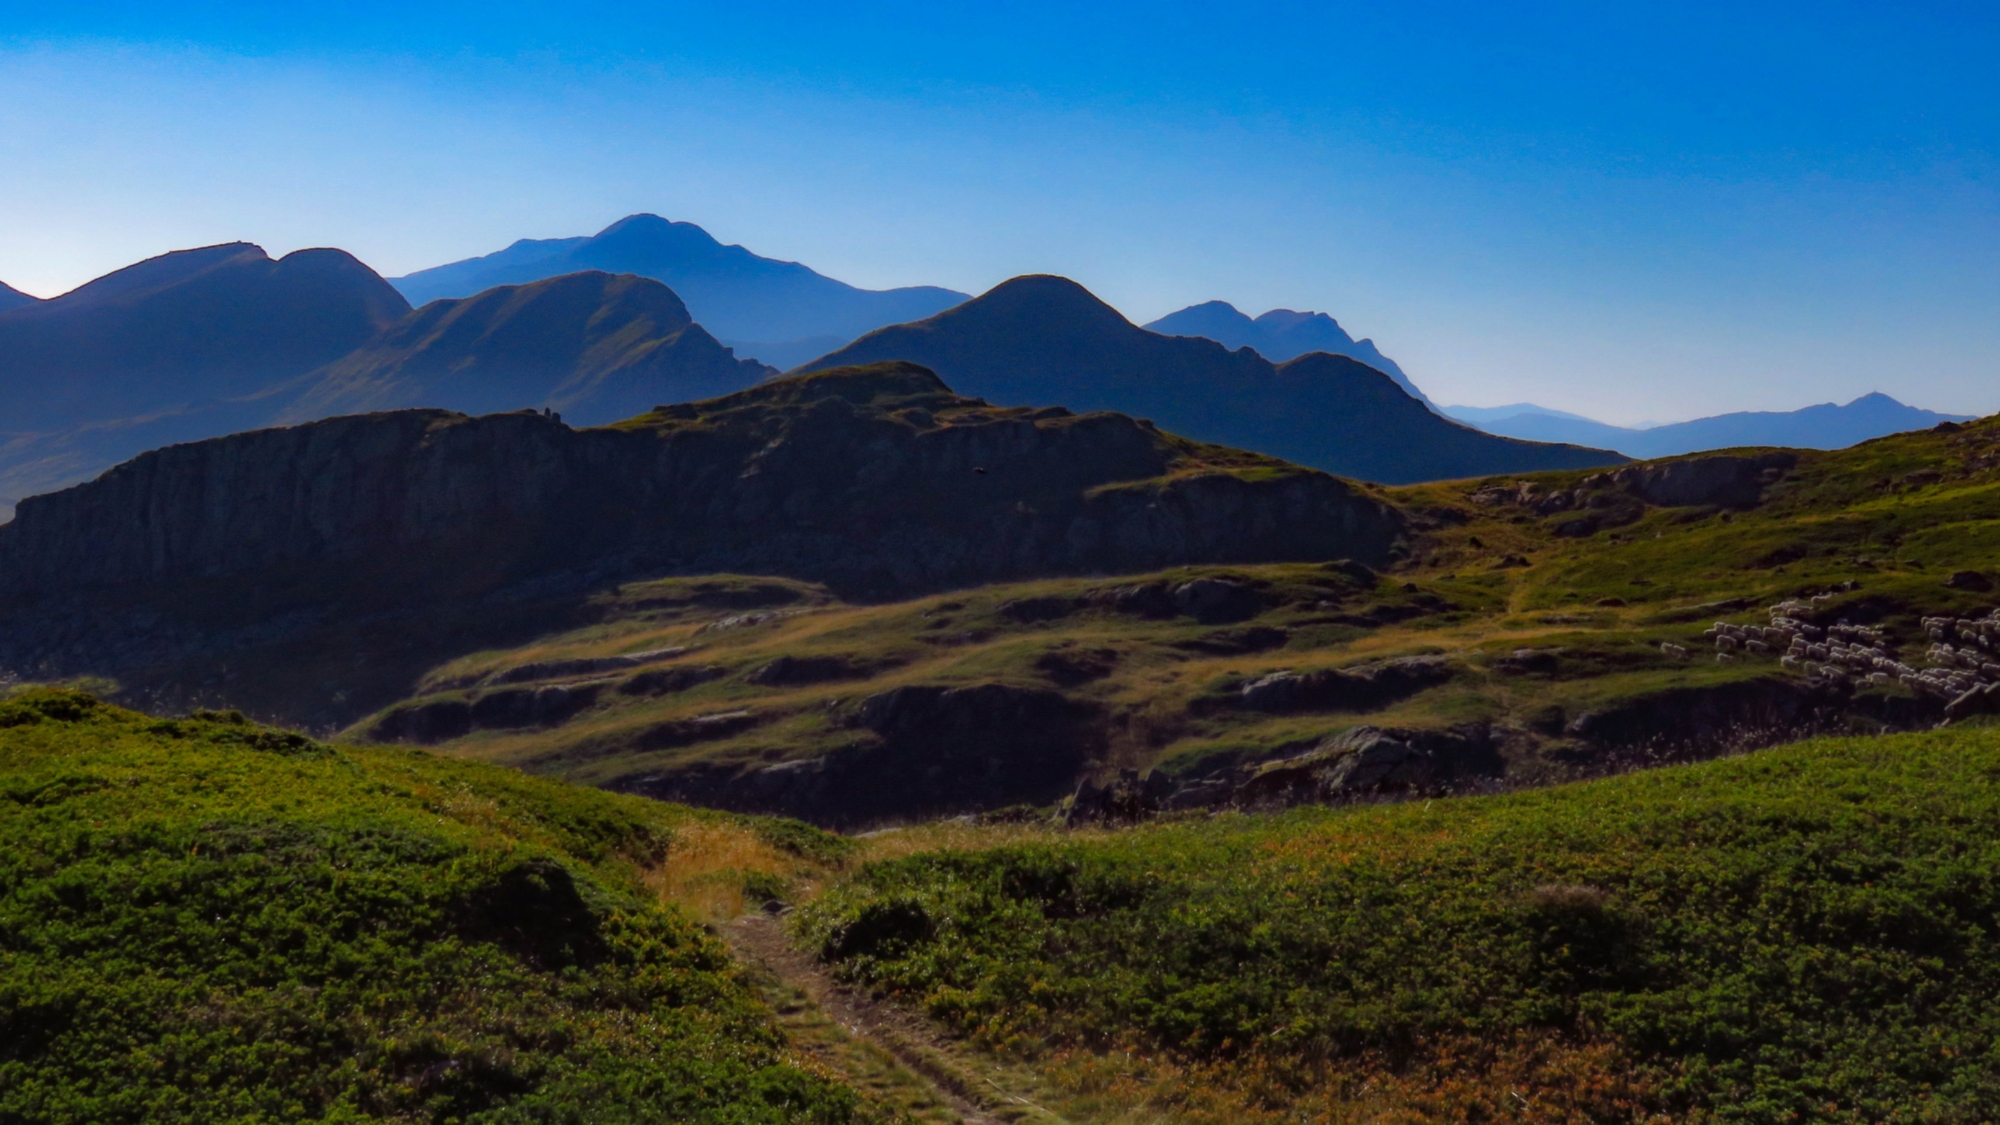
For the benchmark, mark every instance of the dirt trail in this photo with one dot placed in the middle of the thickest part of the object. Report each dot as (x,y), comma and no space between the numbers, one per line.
(907,1050)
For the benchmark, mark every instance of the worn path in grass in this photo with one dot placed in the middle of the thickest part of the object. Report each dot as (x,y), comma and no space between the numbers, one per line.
(896,1056)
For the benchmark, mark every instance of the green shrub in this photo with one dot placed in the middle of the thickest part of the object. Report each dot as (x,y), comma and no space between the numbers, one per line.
(204,920)
(1805,933)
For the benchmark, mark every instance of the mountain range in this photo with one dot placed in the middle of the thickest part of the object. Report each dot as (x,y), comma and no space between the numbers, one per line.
(781,313)
(1047,340)
(200,343)
(1825,426)
(1279,335)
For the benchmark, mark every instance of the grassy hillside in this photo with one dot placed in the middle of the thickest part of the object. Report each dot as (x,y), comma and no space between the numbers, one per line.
(203,920)
(1800,934)
(1546,599)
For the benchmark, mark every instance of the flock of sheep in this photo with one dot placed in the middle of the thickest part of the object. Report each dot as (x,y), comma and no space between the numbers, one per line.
(1964,657)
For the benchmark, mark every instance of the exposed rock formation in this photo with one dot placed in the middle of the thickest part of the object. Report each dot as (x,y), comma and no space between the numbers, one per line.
(921,750)
(1344,689)
(878,481)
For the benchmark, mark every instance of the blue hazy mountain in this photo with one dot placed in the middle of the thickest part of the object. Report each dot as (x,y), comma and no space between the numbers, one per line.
(1826,426)
(11,297)
(595,347)
(1480,415)
(170,349)
(781,313)
(1047,341)
(1279,335)
(200,343)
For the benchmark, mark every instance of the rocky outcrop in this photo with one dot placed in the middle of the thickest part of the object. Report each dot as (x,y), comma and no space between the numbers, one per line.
(921,750)
(1344,689)
(440,720)
(1363,763)
(1723,480)
(876,481)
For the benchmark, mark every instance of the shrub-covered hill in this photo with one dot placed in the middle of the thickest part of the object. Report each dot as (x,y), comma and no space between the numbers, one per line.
(1800,934)
(203,920)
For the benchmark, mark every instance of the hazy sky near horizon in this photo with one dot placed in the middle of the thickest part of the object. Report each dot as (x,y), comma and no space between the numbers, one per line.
(1634,211)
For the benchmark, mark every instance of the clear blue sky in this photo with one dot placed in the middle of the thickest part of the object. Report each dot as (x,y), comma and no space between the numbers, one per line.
(1631,210)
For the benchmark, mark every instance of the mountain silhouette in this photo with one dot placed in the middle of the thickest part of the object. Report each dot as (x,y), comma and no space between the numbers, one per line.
(1047,340)
(1825,426)
(11,297)
(184,329)
(767,309)
(1279,335)
(221,339)
(183,346)
(595,347)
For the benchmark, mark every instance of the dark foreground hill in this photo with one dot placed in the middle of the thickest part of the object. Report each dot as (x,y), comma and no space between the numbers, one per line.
(1826,426)
(592,346)
(1279,335)
(208,921)
(781,313)
(365,548)
(1048,340)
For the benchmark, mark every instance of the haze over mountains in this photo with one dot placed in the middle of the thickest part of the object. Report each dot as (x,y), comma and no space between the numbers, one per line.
(1825,426)
(1046,339)
(781,313)
(204,342)
(1279,335)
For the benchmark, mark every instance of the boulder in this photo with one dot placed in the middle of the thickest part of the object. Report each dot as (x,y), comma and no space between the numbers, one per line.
(789,671)
(1215,601)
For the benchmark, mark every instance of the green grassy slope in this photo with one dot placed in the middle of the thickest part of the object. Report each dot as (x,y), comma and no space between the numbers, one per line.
(203,920)
(1800,934)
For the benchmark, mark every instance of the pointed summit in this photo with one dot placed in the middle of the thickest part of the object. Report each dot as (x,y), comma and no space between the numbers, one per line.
(1281,334)
(1047,341)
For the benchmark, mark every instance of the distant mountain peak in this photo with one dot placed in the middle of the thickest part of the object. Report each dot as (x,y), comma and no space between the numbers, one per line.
(1047,341)
(1044,294)
(758,304)
(1823,425)
(1280,335)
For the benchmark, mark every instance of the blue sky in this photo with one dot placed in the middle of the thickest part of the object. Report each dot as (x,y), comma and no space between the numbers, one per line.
(1634,211)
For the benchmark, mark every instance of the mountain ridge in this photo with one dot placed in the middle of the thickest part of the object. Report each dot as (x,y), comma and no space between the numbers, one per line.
(1821,426)
(12,298)
(592,345)
(1046,339)
(1279,335)
(214,340)
(748,301)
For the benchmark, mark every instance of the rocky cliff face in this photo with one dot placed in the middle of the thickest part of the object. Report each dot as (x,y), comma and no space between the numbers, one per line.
(878,481)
